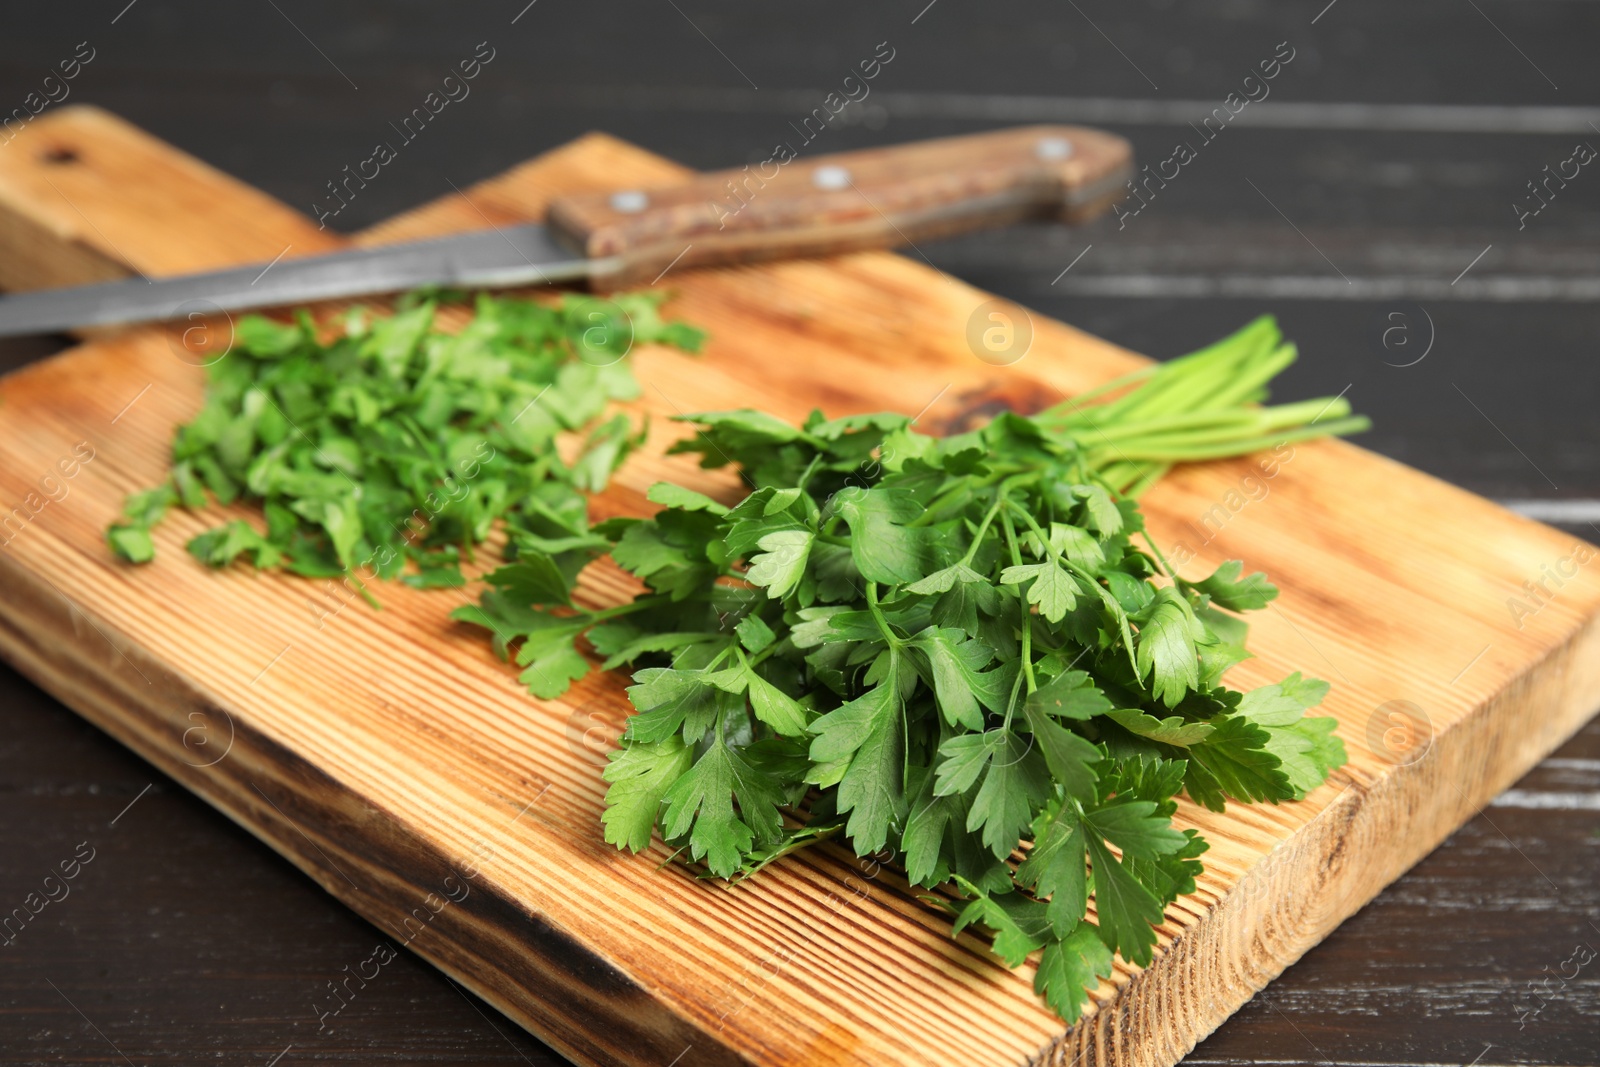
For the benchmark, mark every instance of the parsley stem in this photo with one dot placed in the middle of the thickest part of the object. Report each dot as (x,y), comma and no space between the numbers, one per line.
(1027,651)
(1008,475)
(1104,387)
(1044,538)
(1166,568)
(1011,537)
(877,616)
(639,604)
(1223,448)
(1011,701)
(983,527)
(716,661)
(1152,473)
(1229,427)
(1185,421)
(1027,614)
(811,468)
(758,658)
(1205,405)
(931,513)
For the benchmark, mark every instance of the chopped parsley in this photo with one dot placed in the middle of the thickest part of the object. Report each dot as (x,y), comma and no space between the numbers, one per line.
(390,447)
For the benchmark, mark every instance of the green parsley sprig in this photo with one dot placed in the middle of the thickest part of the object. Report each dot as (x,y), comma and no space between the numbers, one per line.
(393,442)
(961,650)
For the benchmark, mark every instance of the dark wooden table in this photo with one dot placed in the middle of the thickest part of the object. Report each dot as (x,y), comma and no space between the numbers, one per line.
(1368,201)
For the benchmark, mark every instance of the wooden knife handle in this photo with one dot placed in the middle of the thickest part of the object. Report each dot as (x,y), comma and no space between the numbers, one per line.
(790,206)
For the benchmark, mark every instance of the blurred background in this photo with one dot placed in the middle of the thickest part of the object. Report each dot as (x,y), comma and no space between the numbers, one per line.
(1391,199)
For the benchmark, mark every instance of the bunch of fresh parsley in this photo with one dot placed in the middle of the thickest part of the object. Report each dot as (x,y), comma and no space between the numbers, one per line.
(392,442)
(958,650)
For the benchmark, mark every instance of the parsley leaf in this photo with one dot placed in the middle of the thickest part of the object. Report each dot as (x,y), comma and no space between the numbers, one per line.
(884,548)
(1228,590)
(640,776)
(1166,648)
(1050,587)
(955,662)
(865,736)
(1069,967)
(703,798)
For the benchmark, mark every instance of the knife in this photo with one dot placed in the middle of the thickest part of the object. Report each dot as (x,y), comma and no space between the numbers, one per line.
(787,206)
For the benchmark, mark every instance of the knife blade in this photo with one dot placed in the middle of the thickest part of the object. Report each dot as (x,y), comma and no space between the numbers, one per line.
(509,257)
(874,198)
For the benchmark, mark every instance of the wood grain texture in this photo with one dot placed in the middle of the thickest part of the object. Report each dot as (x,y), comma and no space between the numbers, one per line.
(384,751)
(784,207)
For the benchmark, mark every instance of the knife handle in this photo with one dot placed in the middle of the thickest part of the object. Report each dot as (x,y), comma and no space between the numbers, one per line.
(794,205)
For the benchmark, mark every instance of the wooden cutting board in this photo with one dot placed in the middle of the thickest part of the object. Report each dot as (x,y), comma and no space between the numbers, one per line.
(390,757)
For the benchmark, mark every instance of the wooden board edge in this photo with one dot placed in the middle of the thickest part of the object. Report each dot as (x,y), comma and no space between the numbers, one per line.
(443,908)
(1324,872)
(70,261)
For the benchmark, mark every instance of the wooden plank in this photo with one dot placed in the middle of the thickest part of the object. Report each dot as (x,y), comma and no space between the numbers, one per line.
(381,749)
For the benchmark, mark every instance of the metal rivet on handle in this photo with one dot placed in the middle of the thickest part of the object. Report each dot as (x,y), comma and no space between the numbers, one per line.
(830,177)
(1053,148)
(629,201)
